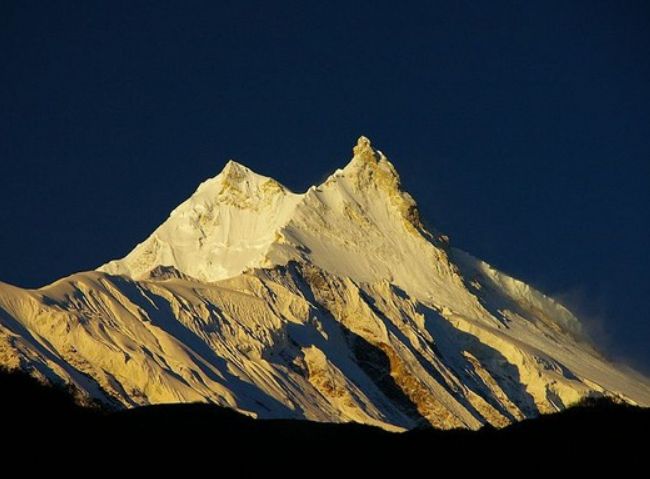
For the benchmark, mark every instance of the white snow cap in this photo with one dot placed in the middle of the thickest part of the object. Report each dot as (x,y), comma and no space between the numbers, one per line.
(238,219)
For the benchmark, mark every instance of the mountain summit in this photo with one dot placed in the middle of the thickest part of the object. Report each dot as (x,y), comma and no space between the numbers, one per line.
(335,304)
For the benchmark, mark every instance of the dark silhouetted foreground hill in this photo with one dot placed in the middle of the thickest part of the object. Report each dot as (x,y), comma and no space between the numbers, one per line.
(29,409)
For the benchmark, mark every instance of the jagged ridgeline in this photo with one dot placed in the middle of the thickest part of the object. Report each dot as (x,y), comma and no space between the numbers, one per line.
(331,305)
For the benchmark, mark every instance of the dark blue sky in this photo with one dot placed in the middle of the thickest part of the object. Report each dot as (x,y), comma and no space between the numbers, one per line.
(521,128)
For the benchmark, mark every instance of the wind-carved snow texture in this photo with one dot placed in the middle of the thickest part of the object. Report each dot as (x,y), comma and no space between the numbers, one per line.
(331,305)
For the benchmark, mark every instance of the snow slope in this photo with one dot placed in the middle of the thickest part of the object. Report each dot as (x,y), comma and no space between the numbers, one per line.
(332,305)
(223,228)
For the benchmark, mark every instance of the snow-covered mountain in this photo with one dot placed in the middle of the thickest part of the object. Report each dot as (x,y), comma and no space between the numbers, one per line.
(331,305)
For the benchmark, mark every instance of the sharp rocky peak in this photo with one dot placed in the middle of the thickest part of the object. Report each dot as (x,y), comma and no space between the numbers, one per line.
(370,170)
(370,167)
(240,185)
(363,149)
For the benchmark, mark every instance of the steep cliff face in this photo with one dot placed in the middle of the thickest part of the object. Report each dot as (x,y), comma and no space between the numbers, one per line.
(332,305)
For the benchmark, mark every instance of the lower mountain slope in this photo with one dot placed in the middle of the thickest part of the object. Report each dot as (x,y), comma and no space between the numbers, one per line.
(298,342)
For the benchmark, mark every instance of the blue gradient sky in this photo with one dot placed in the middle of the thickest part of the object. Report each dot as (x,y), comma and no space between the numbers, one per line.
(521,128)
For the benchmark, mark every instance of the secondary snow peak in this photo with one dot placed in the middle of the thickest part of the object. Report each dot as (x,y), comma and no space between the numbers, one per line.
(234,168)
(225,227)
